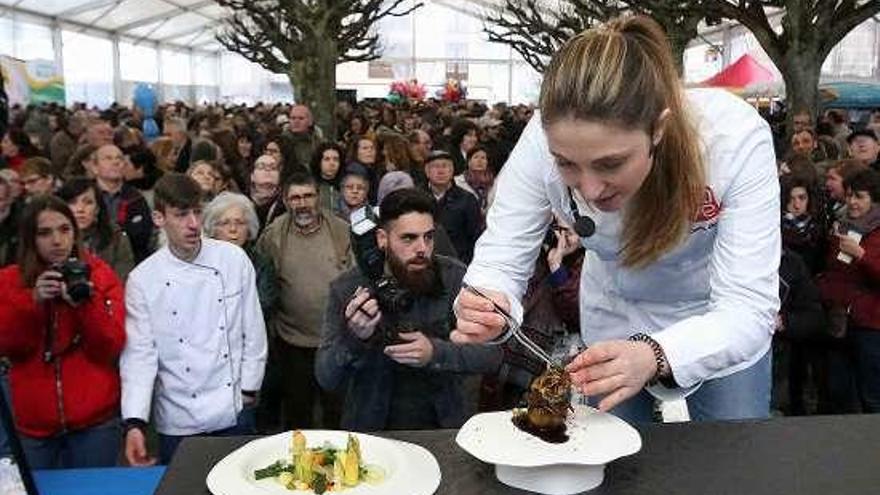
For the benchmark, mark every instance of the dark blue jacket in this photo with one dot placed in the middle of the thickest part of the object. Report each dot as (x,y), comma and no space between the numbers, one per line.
(366,374)
(459,213)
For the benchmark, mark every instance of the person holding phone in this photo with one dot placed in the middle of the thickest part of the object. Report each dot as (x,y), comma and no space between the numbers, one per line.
(61,326)
(849,284)
(676,198)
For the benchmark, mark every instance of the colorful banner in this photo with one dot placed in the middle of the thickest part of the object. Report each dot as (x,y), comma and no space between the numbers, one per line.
(35,81)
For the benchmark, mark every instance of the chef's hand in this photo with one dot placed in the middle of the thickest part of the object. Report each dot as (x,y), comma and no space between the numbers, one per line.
(416,352)
(136,449)
(476,318)
(617,369)
(362,314)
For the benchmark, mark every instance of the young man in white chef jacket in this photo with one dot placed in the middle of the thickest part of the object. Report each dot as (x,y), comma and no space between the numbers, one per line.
(195,351)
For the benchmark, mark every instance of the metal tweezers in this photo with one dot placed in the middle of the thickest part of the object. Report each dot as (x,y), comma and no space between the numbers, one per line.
(516,331)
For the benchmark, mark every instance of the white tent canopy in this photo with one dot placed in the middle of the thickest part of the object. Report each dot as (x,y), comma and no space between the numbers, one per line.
(105,47)
(187,24)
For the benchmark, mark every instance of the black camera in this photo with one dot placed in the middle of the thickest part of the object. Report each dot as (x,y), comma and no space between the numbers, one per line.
(550,241)
(393,300)
(76,275)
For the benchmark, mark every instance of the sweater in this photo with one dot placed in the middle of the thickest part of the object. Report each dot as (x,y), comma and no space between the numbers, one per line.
(305,265)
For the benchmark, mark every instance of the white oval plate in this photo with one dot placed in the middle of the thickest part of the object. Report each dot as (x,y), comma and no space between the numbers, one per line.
(408,468)
(594,438)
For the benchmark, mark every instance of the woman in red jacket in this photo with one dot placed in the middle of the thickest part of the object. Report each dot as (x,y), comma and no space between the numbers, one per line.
(63,335)
(851,283)
(15,148)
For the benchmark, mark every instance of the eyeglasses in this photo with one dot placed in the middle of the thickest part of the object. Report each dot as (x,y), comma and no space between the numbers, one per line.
(354,187)
(297,198)
(231,223)
(32,179)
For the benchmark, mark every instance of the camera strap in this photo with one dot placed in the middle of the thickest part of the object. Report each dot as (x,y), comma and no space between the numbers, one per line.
(49,343)
(49,340)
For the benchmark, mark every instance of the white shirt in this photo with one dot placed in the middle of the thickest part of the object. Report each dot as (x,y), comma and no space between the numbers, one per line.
(711,302)
(195,338)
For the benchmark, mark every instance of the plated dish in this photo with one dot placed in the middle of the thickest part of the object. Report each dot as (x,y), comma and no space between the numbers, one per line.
(368,465)
(321,469)
(525,461)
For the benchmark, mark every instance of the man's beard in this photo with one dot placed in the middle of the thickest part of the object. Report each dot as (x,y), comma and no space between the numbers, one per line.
(422,281)
(304,217)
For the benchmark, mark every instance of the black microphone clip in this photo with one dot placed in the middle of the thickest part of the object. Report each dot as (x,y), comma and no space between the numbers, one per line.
(584,226)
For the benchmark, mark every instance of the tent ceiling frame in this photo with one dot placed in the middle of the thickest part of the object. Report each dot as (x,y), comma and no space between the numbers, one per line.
(152,30)
(86,7)
(194,8)
(10,8)
(199,32)
(109,33)
(106,11)
(175,11)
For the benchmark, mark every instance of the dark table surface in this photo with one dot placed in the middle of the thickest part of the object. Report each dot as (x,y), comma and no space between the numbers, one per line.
(837,455)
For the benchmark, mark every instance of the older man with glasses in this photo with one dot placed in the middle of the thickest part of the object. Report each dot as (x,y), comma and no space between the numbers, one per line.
(308,248)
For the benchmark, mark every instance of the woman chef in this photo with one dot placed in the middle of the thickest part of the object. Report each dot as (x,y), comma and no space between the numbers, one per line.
(676,198)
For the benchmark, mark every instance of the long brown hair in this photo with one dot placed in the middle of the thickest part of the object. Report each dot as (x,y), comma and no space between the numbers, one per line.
(622,73)
(395,150)
(30,265)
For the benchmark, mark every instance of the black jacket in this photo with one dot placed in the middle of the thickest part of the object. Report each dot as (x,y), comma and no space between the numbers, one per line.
(459,213)
(4,106)
(183,157)
(367,375)
(803,317)
(9,234)
(134,216)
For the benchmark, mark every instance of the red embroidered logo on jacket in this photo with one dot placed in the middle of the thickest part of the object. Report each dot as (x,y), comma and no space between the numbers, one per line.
(707,215)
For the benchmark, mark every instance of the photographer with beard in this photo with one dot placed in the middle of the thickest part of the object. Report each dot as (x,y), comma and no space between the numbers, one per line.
(400,371)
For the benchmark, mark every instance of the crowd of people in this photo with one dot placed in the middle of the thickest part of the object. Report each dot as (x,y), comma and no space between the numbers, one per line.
(829,177)
(207,281)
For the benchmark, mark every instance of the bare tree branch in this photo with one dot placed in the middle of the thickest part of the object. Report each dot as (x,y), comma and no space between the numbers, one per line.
(848,16)
(306,39)
(810,30)
(536,33)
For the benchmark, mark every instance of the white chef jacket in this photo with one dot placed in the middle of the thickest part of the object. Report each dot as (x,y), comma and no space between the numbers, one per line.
(711,302)
(195,338)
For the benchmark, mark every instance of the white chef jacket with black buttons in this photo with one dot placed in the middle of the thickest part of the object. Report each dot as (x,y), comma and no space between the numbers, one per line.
(195,338)
(711,302)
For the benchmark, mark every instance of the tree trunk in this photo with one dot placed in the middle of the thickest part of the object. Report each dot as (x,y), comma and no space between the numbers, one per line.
(679,32)
(678,47)
(801,71)
(314,84)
